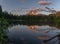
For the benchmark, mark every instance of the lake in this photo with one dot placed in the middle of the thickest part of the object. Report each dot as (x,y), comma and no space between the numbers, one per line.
(32,34)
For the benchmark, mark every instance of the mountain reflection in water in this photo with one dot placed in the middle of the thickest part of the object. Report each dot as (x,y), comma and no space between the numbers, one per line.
(32,26)
(32,34)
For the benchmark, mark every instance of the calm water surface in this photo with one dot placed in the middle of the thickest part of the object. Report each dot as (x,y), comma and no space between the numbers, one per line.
(32,34)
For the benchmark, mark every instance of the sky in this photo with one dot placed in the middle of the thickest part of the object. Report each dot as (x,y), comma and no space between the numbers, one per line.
(22,6)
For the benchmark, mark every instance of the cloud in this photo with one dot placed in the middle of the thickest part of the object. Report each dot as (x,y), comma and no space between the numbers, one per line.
(51,10)
(44,3)
(34,11)
(31,12)
(39,9)
(19,9)
(23,1)
(48,8)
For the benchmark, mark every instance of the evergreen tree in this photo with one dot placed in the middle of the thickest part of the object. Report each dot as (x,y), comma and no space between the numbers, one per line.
(0,11)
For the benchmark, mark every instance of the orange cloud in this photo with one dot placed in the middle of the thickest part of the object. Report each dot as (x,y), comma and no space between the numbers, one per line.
(34,11)
(44,3)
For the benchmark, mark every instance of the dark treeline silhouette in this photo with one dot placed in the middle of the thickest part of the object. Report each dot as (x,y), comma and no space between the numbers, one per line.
(52,18)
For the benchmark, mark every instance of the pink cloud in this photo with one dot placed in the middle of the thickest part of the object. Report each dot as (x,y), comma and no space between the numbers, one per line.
(44,3)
